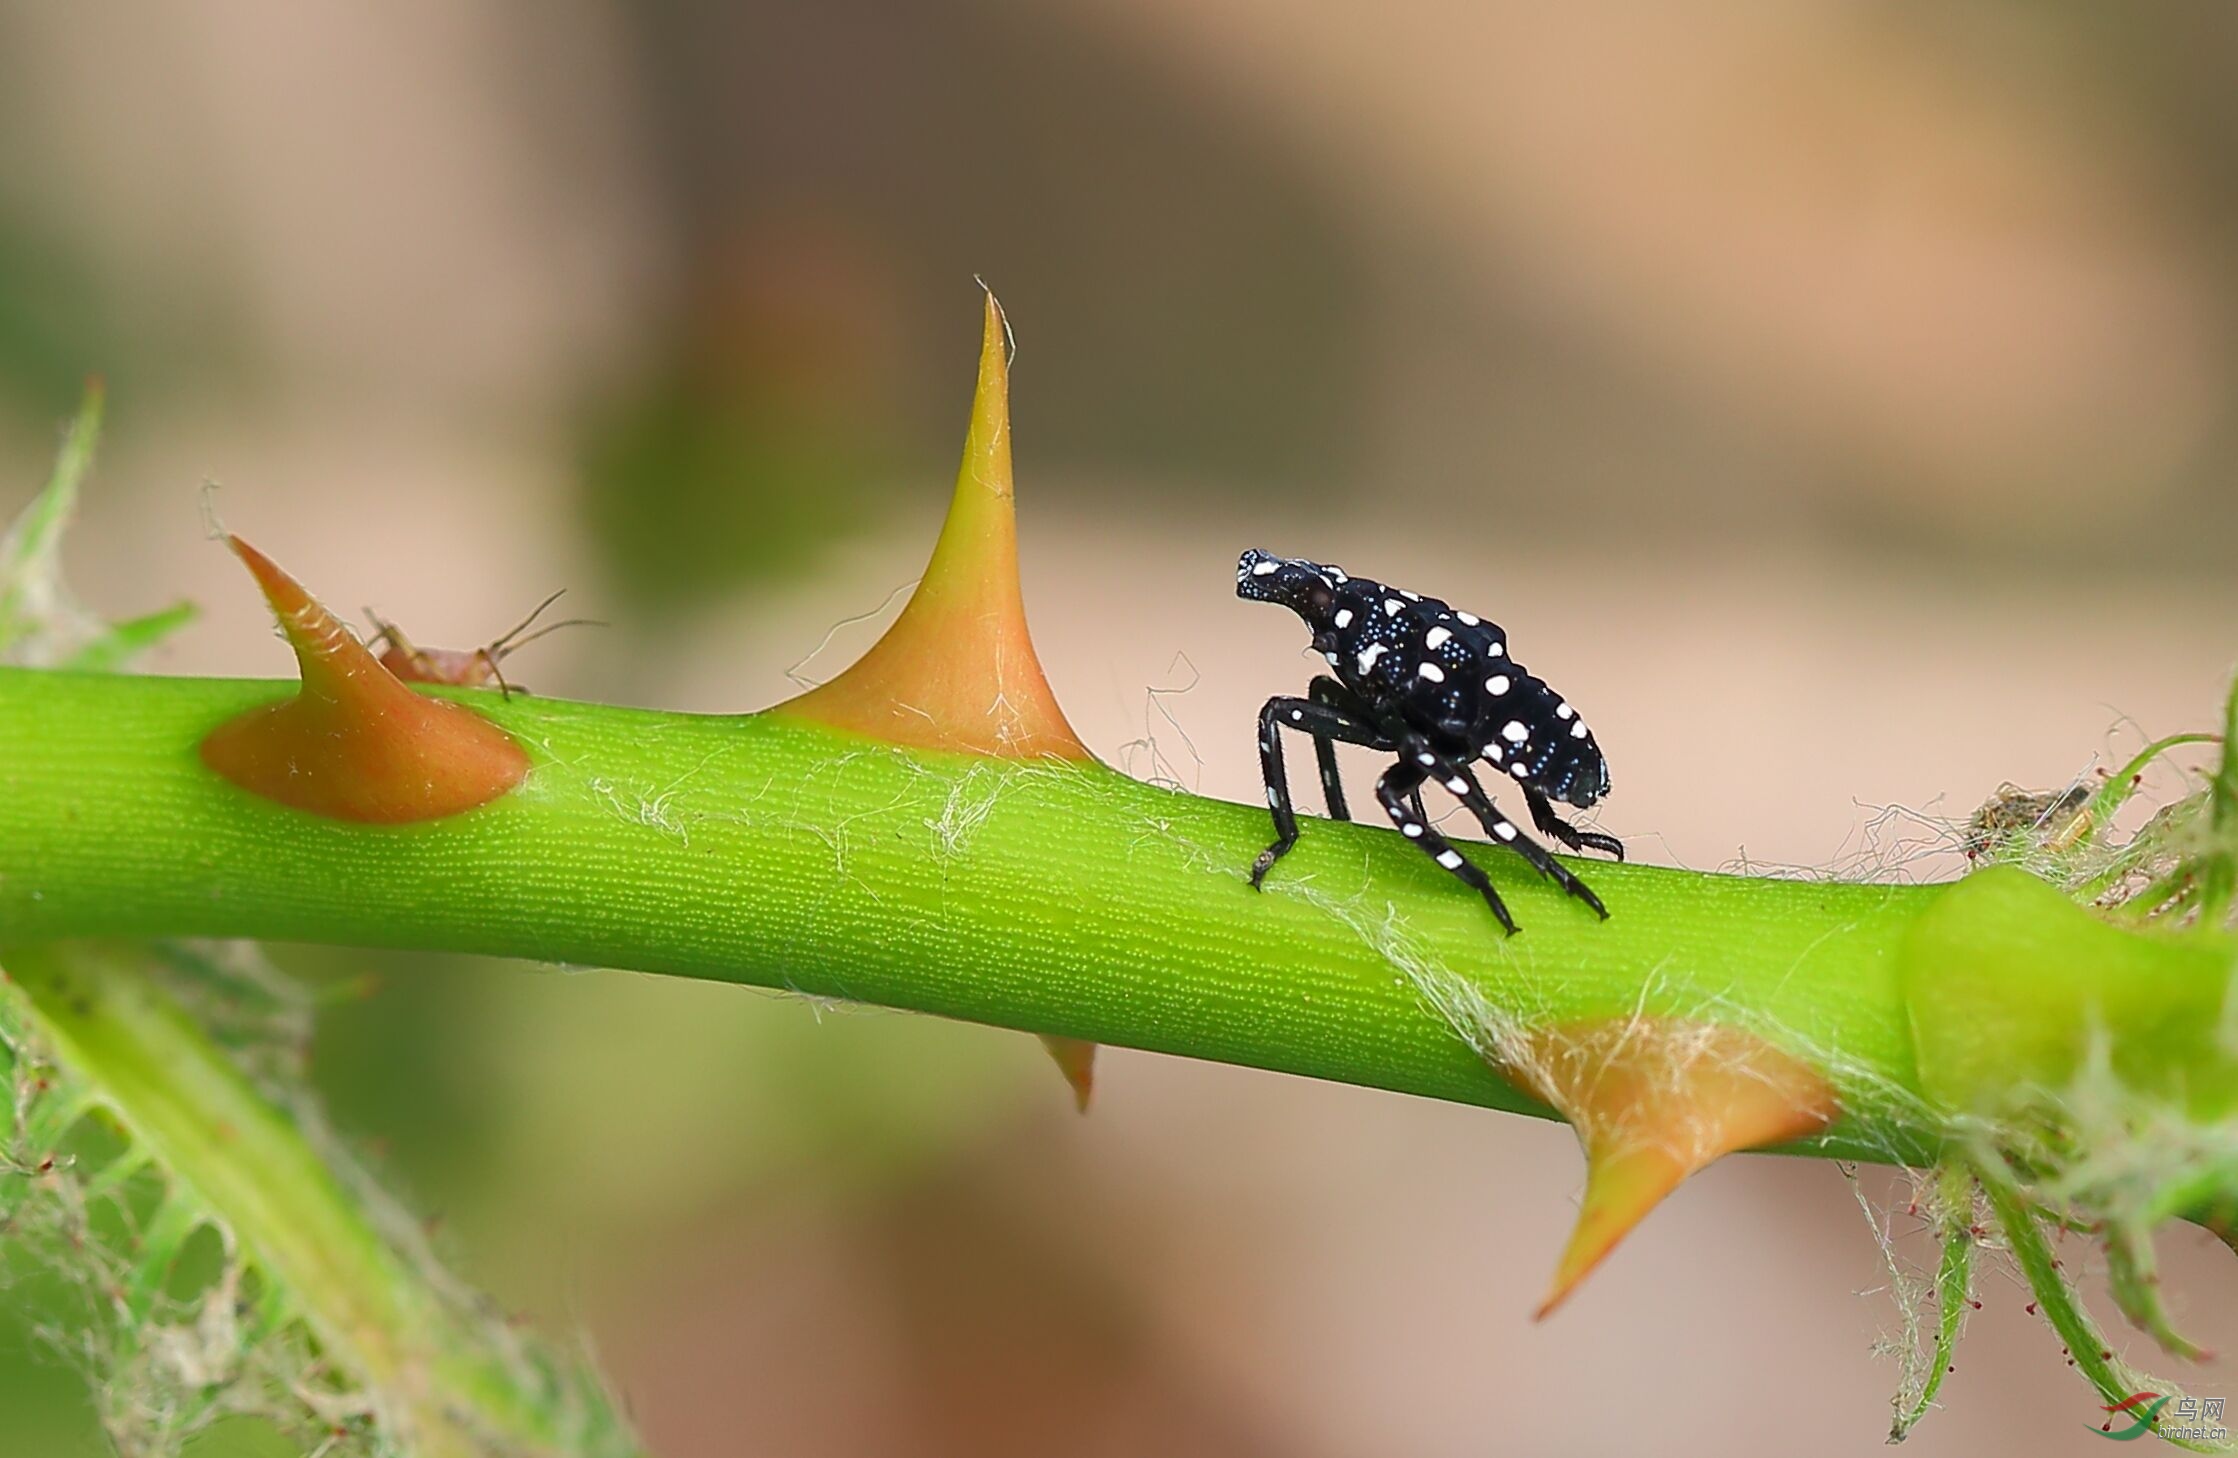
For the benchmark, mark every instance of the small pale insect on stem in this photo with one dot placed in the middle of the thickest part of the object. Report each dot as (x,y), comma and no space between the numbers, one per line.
(465,668)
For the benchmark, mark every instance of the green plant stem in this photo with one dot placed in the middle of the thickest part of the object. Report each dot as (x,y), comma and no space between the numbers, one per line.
(1954,1289)
(2019,1222)
(1048,897)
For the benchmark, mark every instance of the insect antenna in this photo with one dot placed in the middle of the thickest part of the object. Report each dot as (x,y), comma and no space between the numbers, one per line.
(523,625)
(520,637)
(502,647)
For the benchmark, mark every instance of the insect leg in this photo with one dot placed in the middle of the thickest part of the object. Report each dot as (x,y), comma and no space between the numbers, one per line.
(1332,694)
(489,659)
(1400,791)
(1463,783)
(1543,816)
(1323,723)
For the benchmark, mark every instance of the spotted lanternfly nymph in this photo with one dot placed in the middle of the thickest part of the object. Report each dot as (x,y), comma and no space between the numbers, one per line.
(1435,686)
(464,667)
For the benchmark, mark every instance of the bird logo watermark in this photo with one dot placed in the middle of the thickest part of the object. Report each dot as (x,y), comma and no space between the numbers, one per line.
(2193,1419)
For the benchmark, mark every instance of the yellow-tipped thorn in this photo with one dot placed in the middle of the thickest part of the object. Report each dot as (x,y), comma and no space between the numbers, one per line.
(356,744)
(957,670)
(1621,1186)
(1652,1101)
(1076,1060)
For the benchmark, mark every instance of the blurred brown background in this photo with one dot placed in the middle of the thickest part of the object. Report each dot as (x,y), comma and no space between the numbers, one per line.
(1836,398)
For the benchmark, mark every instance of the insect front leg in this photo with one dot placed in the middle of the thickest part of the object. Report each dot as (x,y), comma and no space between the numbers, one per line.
(1333,694)
(1549,823)
(1462,782)
(1325,723)
(1400,791)
(488,658)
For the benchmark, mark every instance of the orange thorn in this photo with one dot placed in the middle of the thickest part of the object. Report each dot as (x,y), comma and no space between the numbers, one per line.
(1076,1060)
(356,744)
(1652,1101)
(957,670)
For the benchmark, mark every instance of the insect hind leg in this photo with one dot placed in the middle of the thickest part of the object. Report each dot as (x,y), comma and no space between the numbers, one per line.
(1400,790)
(1462,782)
(1549,823)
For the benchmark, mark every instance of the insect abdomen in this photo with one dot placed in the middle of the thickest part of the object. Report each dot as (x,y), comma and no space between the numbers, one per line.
(1529,731)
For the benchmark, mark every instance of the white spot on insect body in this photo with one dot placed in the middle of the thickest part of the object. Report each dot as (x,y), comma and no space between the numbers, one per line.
(1272,798)
(1267,568)
(1577,730)
(1514,732)
(1470,618)
(1504,831)
(1457,785)
(1392,607)
(1430,671)
(1436,638)
(1369,654)
(1332,657)
(1498,684)
(1497,650)
(1412,830)
(1451,860)
(1494,753)
(1564,711)
(1425,759)
(1297,716)
(1410,596)
(1344,617)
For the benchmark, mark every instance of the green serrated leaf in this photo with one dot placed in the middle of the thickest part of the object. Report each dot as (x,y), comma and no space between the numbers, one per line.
(340,1317)
(165,1235)
(29,569)
(53,1115)
(117,646)
(112,1177)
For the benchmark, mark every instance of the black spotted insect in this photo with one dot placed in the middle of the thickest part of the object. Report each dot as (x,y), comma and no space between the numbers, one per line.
(1435,686)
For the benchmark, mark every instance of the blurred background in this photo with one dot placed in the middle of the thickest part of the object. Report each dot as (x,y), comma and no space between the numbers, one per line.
(1838,399)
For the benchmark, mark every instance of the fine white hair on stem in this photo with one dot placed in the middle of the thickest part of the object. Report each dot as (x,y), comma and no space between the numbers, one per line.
(1158,768)
(803,683)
